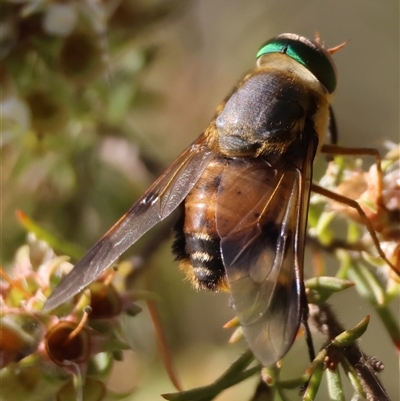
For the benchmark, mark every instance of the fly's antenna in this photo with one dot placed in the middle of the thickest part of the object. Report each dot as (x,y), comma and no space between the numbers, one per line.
(332,50)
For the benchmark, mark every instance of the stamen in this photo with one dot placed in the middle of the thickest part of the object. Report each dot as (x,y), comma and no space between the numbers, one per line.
(79,327)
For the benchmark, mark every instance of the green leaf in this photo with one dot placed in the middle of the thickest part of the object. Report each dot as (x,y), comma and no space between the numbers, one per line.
(235,374)
(335,387)
(323,287)
(349,336)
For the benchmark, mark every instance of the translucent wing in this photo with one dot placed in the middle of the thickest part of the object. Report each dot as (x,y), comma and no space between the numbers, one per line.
(159,201)
(262,244)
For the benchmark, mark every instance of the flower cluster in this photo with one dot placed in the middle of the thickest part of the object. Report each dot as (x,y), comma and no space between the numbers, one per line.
(67,353)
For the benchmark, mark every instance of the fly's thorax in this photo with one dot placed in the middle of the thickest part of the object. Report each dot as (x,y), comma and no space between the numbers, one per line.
(270,109)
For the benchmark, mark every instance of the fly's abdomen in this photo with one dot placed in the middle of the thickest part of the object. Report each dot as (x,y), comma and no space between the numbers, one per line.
(197,244)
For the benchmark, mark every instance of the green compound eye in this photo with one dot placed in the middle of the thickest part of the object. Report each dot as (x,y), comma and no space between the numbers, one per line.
(310,54)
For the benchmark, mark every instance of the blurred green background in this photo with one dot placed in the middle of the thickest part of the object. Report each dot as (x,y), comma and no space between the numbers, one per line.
(98,97)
